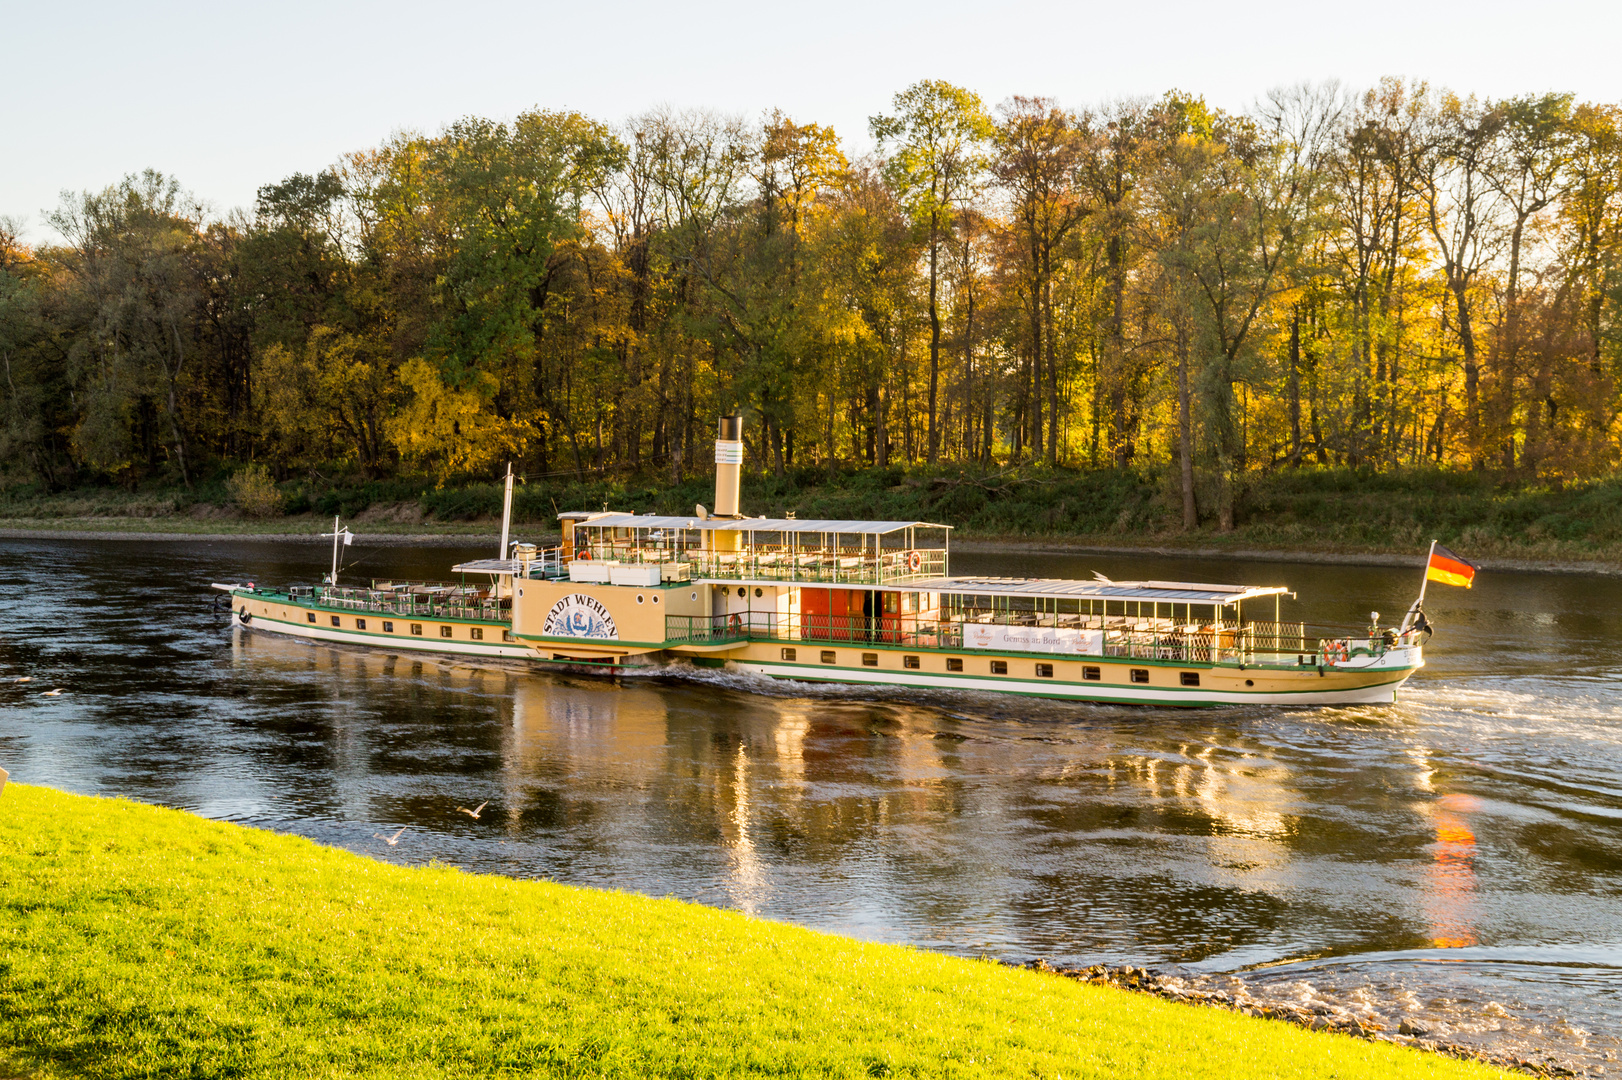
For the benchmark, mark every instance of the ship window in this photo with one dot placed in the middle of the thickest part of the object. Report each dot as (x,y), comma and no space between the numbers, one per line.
(416,628)
(829,656)
(954,663)
(476,633)
(1091,674)
(507,635)
(1044,671)
(789,654)
(870,659)
(759,593)
(909,661)
(335,620)
(655,599)
(388,627)
(1189,678)
(444,631)
(999,667)
(310,615)
(742,591)
(1249,682)
(360,624)
(1140,674)
(641,599)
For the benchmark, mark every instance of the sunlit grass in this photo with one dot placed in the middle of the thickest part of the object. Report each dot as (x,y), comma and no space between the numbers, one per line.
(146,942)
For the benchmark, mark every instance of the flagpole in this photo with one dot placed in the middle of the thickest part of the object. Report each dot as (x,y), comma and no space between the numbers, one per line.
(1426,580)
(333,579)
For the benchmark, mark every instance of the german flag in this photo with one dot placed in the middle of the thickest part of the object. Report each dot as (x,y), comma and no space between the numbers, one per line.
(1449,569)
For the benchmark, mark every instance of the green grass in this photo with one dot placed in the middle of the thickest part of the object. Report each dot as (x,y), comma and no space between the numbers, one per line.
(142,942)
(1309,509)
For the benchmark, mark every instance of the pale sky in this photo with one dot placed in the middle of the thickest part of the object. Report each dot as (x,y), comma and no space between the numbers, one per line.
(229,97)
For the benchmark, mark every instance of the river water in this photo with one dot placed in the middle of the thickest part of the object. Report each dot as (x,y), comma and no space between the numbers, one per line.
(1454,860)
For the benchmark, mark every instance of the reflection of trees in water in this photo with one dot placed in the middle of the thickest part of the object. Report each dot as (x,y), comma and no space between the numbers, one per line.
(1450,881)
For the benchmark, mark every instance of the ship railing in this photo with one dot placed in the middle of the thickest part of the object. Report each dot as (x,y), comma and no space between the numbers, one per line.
(1252,644)
(409,599)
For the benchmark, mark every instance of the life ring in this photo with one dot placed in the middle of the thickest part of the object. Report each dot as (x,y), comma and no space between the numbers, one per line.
(736,624)
(1335,652)
(914,561)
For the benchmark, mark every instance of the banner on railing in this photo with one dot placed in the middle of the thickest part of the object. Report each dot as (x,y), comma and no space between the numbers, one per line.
(1050,639)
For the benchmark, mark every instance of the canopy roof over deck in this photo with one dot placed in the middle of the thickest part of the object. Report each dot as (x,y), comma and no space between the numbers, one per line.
(1180,592)
(760,524)
(489,566)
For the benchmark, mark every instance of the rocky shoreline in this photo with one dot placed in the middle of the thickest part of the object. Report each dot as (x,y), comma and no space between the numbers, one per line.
(1316,1018)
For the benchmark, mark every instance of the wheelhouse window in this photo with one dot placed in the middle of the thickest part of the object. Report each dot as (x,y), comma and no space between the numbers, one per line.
(1140,674)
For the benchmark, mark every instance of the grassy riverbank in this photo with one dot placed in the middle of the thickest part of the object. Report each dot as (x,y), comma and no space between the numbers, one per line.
(147,942)
(1309,510)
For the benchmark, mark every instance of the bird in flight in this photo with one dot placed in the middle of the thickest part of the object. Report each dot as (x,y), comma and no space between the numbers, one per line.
(474,814)
(23,678)
(53,693)
(390,840)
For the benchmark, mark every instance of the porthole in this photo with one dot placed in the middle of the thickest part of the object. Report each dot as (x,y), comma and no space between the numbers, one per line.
(1250,682)
(759,593)
(692,596)
(640,599)
(655,599)
(520,592)
(742,591)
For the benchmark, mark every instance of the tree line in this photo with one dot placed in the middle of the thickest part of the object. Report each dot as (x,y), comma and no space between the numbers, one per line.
(1394,278)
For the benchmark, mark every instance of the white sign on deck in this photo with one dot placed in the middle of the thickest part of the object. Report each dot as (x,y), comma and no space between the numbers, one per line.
(579,615)
(1046,639)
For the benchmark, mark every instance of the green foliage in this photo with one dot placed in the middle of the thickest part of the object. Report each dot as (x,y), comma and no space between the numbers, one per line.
(255,493)
(147,942)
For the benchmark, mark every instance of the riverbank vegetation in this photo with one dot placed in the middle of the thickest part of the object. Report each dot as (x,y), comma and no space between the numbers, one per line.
(1394,282)
(1310,509)
(147,942)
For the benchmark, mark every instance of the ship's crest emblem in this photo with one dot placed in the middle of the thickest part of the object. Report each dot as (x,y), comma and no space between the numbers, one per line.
(579,615)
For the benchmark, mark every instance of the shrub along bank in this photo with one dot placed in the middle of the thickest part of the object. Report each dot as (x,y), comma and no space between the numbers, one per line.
(1317,509)
(147,942)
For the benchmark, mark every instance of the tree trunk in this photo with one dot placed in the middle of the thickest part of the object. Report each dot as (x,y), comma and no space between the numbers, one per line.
(934,333)
(1185,432)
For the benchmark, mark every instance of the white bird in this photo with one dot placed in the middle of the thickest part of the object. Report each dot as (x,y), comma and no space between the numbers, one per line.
(53,693)
(474,814)
(390,840)
(23,678)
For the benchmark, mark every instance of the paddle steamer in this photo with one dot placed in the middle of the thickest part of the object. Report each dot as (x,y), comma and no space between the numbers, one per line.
(870,602)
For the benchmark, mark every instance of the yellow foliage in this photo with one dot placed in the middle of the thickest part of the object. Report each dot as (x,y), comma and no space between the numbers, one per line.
(453,432)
